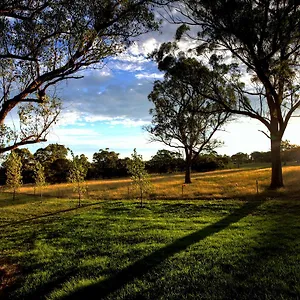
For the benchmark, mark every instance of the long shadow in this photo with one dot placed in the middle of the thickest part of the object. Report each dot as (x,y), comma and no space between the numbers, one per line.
(48,215)
(141,267)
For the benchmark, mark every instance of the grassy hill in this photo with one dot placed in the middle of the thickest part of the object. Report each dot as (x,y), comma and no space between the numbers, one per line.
(231,244)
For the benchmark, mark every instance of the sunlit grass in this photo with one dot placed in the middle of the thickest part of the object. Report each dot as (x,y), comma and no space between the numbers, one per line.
(213,239)
(243,182)
(183,249)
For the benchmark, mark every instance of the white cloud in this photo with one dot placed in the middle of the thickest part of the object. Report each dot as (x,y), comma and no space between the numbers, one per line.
(130,67)
(101,118)
(129,122)
(69,118)
(146,75)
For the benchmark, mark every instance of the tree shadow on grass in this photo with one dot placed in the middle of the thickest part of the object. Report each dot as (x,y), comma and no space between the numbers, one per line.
(143,266)
(58,212)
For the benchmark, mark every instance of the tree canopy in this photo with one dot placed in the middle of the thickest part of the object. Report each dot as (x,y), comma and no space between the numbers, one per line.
(45,42)
(182,118)
(263,38)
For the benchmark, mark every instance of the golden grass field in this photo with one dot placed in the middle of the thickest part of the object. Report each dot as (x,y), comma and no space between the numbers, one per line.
(231,183)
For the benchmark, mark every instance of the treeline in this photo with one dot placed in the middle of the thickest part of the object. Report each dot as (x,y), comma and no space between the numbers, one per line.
(289,153)
(108,164)
(105,164)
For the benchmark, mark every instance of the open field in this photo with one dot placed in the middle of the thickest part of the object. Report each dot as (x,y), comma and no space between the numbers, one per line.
(223,248)
(232,183)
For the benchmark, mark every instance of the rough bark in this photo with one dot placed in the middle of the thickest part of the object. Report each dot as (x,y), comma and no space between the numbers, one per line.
(188,167)
(276,177)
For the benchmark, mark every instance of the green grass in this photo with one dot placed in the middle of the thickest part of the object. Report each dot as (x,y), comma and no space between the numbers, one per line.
(201,249)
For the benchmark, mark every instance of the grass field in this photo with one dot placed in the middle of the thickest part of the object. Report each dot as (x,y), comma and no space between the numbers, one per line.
(231,183)
(244,247)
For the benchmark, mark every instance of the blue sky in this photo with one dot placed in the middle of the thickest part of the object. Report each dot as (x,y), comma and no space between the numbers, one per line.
(109,106)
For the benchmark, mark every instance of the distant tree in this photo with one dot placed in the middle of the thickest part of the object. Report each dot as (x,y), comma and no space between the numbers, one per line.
(105,162)
(263,39)
(262,156)
(43,43)
(77,175)
(13,172)
(139,175)
(58,171)
(51,153)
(122,170)
(39,177)
(165,161)
(210,162)
(289,152)
(257,156)
(240,158)
(181,117)
(54,160)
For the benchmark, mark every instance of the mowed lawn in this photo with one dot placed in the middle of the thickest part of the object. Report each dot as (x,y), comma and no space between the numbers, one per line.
(242,248)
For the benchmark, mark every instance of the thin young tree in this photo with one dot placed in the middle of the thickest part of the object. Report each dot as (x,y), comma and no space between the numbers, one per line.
(139,175)
(39,177)
(13,172)
(77,176)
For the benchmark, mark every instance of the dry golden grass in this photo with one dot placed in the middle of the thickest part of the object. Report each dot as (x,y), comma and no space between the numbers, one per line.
(232,183)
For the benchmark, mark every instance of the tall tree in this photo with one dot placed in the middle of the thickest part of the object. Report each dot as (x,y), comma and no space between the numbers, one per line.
(182,118)
(45,42)
(13,172)
(263,37)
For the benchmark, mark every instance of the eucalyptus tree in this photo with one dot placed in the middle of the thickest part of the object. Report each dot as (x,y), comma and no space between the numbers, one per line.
(263,38)
(182,118)
(45,42)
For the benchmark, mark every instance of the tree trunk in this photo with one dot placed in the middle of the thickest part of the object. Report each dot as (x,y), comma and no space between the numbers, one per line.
(188,165)
(276,178)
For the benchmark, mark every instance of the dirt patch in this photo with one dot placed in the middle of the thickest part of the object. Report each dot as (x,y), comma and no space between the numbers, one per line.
(8,275)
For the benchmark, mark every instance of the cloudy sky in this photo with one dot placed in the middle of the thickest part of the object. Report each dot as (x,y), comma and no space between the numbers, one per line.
(109,106)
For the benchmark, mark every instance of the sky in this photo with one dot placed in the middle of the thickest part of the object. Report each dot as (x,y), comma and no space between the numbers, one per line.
(109,106)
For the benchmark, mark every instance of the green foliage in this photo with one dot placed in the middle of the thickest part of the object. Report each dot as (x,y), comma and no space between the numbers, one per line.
(263,40)
(45,42)
(77,175)
(54,160)
(182,117)
(139,175)
(51,153)
(240,158)
(13,172)
(165,161)
(105,162)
